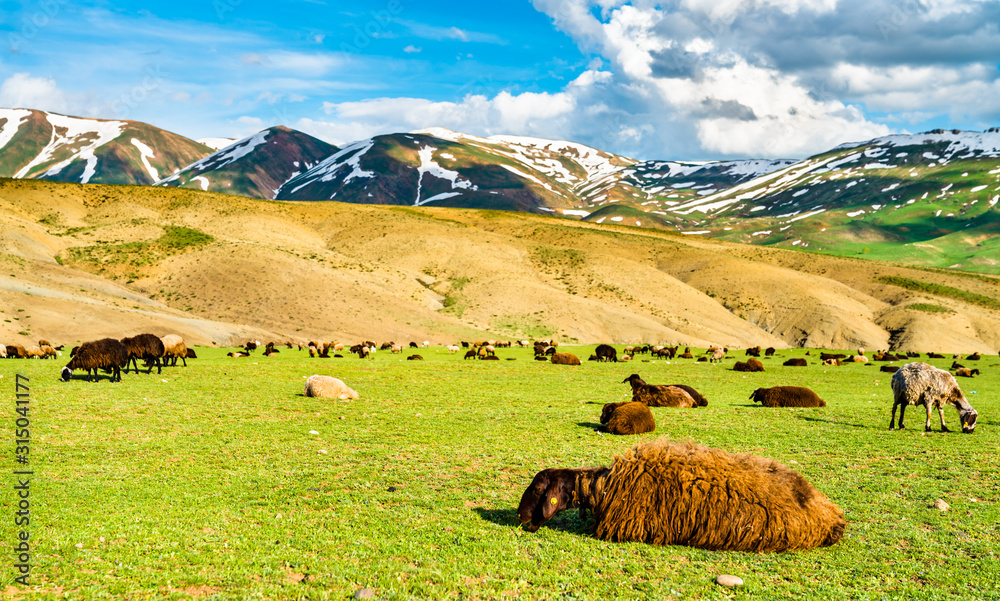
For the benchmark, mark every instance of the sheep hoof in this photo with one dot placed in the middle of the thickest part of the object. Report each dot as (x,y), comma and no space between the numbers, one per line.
(943,429)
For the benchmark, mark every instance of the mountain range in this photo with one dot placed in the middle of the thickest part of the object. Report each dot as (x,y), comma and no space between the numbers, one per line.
(929,199)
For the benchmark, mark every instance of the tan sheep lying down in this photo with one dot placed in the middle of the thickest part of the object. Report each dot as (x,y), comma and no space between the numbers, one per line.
(683,494)
(327,387)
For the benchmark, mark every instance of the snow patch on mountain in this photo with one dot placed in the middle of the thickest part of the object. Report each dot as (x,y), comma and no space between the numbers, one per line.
(146,153)
(71,132)
(14,117)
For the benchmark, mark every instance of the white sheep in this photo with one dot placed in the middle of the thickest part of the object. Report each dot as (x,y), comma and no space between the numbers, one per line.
(174,348)
(328,387)
(923,384)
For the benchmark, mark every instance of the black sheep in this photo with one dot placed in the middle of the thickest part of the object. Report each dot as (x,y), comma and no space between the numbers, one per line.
(107,354)
(147,347)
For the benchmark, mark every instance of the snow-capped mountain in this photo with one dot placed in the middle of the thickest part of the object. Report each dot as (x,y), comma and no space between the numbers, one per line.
(42,145)
(256,166)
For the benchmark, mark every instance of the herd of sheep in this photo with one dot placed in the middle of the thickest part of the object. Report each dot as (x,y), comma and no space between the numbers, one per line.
(658,492)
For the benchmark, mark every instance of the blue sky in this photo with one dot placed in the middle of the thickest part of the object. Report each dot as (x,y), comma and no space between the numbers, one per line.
(684,79)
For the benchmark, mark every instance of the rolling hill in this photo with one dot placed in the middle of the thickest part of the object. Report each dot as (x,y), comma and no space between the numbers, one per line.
(89,261)
(39,145)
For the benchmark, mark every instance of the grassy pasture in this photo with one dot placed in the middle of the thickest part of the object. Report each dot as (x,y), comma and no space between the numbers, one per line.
(206,482)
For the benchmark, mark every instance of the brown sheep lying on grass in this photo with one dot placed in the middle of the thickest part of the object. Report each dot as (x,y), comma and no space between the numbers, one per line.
(787,396)
(565,359)
(654,395)
(797,362)
(627,418)
(751,365)
(684,494)
(923,384)
(965,372)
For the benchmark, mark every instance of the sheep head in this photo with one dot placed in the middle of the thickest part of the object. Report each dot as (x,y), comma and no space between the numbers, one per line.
(550,492)
(66,375)
(634,379)
(968,419)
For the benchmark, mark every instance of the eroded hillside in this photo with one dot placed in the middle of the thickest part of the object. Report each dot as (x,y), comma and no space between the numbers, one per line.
(223,267)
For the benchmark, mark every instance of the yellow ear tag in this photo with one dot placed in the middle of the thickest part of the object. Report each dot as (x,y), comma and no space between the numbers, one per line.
(553,500)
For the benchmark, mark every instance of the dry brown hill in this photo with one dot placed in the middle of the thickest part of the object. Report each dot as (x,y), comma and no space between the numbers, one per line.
(90,261)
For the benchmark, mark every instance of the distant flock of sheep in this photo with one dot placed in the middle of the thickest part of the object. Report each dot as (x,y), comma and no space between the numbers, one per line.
(658,492)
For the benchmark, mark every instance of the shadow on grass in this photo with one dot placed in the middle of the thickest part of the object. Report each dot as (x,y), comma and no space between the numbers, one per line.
(829,421)
(590,425)
(568,521)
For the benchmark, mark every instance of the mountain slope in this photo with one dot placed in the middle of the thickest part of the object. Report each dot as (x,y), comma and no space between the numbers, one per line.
(354,272)
(256,166)
(39,145)
(931,198)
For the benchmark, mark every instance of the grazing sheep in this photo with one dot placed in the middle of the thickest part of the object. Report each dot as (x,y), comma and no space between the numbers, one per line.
(327,387)
(606,352)
(48,351)
(718,355)
(452,348)
(565,359)
(891,369)
(414,358)
(683,494)
(106,354)
(753,352)
(16,351)
(965,372)
(627,418)
(147,347)
(659,395)
(174,349)
(797,362)
(787,396)
(923,384)
(471,354)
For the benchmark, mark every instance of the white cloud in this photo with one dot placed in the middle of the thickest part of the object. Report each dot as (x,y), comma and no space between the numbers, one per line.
(411,49)
(21,90)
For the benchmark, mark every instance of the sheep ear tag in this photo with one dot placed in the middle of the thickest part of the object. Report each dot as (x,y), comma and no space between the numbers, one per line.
(553,500)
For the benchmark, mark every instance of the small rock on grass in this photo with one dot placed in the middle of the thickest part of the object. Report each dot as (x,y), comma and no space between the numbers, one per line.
(729,580)
(365,593)
(940,504)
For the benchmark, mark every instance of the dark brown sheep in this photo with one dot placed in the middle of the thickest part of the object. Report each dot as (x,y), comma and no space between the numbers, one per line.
(753,352)
(889,368)
(683,494)
(491,358)
(972,357)
(769,352)
(147,347)
(414,358)
(797,362)
(787,396)
(825,356)
(16,351)
(627,418)
(751,364)
(565,359)
(935,356)
(606,352)
(106,354)
(659,395)
(922,384)
(192,355)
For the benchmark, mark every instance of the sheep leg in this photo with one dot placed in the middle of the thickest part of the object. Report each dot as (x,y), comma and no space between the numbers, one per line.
(944,428)
(902,410)
(927,424)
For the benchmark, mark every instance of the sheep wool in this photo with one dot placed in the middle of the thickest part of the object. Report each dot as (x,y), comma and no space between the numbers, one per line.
(628,418)
(565,359)
(683,494)
(923,384)
(787,396)
(328,387)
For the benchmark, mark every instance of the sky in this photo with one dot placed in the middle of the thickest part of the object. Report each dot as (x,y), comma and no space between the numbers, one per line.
(679,80)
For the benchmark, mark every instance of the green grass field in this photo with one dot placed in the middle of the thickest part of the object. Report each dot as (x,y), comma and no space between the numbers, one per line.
(206,481)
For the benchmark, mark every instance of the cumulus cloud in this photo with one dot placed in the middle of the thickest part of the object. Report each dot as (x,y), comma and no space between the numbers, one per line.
(21,90)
